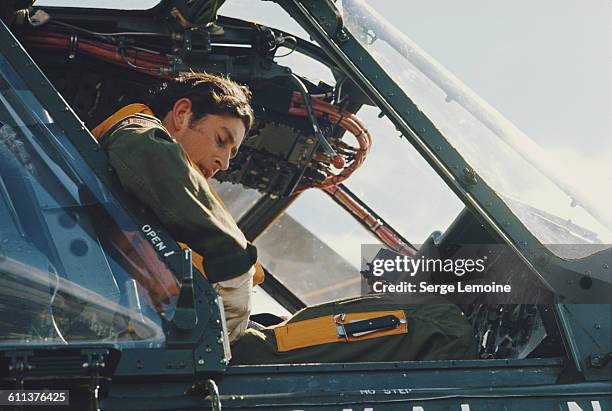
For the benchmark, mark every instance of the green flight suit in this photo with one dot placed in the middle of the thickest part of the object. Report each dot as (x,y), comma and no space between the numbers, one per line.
(153,167)
(437,330)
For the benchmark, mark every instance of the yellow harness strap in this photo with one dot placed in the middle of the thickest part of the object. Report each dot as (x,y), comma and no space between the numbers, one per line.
(131,109)
(322,330)
(119,116)
(198,261)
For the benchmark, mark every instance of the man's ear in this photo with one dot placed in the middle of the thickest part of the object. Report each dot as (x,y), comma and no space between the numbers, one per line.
(181,113)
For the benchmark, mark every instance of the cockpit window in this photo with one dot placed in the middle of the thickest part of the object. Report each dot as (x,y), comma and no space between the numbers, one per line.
(558,204)
(73,268)
(272,15)
(108,4)
(319,258)
(236,198)
(396,182)
(266,13)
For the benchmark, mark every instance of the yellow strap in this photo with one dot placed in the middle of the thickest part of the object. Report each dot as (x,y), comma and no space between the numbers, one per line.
(118,116)
(259,276)
(198,262)
(322,330)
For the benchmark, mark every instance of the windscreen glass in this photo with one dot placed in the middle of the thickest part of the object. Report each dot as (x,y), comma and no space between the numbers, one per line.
(73,267)
(315,249)
(107,4)
(399,185)
(235,197)
(557,203)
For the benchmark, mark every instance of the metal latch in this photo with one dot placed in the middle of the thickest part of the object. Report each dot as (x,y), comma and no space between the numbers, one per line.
(19,366)
(358,328)
(185,316)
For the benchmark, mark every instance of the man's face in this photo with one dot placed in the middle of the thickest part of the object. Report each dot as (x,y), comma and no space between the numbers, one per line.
(210,142)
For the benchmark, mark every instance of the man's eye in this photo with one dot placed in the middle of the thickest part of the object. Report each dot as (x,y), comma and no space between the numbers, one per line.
(220,142)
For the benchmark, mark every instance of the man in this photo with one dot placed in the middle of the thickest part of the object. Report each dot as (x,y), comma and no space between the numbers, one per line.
(163,154)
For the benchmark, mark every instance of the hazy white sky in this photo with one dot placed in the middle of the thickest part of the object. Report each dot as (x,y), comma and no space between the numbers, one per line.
(546,64)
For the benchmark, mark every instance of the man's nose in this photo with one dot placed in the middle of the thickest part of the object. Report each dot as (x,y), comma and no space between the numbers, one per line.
(223,161)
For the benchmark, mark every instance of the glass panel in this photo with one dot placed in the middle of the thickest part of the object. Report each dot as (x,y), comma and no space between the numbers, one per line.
(399,184)
(107,4)
(73,269)
(236,198)
(314,249)
(272,15)
(263,303)
(266,13)
(558,204)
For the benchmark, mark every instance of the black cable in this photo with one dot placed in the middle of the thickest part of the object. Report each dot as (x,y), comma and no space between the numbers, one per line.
(295,43)
(127,61)
(315,124)
(99,34)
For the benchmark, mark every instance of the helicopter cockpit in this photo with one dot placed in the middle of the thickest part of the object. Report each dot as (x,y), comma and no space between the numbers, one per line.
(313,152)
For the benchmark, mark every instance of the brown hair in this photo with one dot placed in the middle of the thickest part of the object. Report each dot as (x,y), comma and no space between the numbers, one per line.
(209,94)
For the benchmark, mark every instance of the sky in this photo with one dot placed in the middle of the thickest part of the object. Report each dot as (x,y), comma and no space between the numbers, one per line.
(545,65)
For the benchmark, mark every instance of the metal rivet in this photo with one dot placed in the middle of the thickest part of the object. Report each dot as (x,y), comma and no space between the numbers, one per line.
(469,177)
